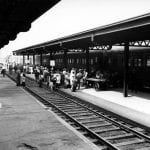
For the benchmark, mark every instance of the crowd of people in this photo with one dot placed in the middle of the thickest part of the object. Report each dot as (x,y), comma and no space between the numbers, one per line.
(54,79)
(73,79)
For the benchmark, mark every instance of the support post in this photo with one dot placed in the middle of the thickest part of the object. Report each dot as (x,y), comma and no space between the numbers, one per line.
(50,56)
(126,68)
(23,59)
(65,58)
(28,60)
(87,60)
(33,59)
(41,59)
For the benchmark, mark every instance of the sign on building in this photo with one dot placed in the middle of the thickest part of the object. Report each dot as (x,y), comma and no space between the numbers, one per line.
(52,63)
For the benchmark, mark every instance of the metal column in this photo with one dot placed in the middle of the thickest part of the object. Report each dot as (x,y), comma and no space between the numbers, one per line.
(41,59)
(23,59)
(87,60)
(50,57)
(33,59)
(126,68)
(28,60)
(65,58)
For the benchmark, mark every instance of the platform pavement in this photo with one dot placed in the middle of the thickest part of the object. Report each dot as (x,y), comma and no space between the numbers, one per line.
(135,107)
(26,125)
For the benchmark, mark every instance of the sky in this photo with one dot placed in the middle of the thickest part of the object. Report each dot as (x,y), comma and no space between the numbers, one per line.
(73,16)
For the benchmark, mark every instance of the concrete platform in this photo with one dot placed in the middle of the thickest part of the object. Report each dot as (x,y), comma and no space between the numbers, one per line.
(135,107)
(26,125)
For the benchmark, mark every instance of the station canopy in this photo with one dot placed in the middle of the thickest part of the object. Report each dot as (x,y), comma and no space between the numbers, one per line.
(130,30)
(17,15)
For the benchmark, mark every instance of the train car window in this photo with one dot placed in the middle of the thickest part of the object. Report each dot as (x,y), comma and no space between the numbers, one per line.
(135,63)
(139,62)
(83,61)
(109,60)
(73,61)
(148,62)
(91,61)
(96,59)
(130,62)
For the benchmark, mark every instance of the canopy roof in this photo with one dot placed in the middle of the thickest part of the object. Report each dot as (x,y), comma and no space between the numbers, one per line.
(17,15)
(133,29)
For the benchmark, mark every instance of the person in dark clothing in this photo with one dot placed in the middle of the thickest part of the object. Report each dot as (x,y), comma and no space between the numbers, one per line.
(79,77)
(23,80)
(3,72)
(18,78)
(40,81)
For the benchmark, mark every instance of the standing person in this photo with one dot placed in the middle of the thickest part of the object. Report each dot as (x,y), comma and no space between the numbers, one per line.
(85,75)
(37,73)
(3,71)
(66,80)
(73,80)
(50,82)
(40,80)
(23,80)
(79,77)
(18,78)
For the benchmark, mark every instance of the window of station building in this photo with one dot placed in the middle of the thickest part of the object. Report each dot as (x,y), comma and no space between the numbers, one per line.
(77,60)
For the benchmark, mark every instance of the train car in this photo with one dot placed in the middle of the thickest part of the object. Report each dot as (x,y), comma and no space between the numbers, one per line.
(111,61)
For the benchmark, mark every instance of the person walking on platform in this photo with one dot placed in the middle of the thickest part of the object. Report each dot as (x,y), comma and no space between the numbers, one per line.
(40,80)
(73,80)
(23,80)
(85,75)
(37,73)
(18,77)
(79,77)
(3,71)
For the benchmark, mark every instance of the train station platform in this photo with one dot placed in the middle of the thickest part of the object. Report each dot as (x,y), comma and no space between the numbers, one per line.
(135,107)
(26,125)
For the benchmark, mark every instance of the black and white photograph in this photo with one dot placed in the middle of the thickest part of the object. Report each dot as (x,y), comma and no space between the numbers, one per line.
(74,75)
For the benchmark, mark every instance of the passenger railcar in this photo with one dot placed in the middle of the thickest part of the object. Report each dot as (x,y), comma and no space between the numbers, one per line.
(110,60)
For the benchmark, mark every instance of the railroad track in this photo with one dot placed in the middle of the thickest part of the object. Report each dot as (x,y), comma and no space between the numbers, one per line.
(104,130)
